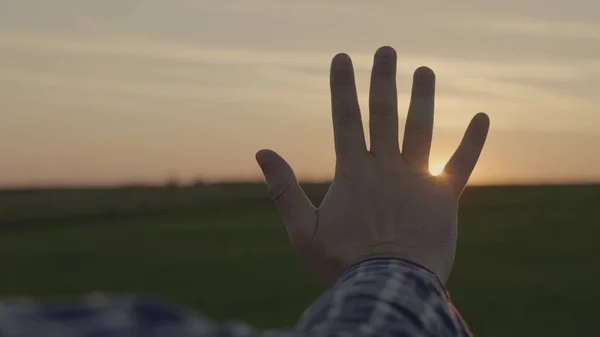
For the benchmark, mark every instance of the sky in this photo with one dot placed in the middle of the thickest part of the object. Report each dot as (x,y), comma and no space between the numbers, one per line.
(140,91)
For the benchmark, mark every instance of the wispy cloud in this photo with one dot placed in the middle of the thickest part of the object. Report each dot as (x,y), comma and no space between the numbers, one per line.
(542,28)
(291,76)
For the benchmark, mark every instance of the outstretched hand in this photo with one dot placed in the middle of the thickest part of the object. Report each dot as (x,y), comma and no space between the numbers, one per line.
(383,201)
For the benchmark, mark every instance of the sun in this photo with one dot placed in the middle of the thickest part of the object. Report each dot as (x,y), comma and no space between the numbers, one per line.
(436,169)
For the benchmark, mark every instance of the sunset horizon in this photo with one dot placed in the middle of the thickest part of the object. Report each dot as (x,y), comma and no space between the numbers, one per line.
(131,92)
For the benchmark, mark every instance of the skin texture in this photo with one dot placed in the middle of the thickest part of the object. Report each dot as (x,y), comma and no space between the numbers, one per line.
(383,201)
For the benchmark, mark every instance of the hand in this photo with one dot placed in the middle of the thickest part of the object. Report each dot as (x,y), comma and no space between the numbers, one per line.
(383,201)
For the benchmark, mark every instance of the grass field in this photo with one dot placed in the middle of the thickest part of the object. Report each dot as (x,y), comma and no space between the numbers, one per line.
(527,261)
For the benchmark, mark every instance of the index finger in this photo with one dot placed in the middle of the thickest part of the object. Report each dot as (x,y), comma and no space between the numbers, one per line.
(349,137)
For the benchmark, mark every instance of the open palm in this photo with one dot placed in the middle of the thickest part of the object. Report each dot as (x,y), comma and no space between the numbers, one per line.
(383,201)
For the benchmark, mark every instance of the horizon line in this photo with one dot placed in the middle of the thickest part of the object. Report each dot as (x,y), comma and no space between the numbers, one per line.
(166,185)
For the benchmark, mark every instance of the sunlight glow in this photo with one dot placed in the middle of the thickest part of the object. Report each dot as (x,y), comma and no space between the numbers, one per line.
(436,169)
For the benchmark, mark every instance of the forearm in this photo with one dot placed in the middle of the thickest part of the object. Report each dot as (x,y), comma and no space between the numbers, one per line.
(384,297)
(378,297)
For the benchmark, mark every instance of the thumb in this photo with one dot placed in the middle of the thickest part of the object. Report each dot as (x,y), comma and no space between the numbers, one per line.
(297,211)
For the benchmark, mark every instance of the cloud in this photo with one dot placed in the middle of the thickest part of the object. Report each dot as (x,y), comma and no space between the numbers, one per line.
(179,52)
(155,49)
(205,53)
(538,28)
(510,90)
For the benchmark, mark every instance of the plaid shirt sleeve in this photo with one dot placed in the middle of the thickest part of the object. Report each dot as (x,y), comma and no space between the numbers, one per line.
(375,297)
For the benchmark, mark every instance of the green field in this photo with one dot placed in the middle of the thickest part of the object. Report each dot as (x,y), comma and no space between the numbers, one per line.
(526,265)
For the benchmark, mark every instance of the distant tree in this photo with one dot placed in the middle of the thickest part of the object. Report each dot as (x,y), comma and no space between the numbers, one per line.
(198,182)
(173,181)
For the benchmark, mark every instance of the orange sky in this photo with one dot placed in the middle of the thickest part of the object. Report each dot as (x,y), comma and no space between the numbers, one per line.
(117,91)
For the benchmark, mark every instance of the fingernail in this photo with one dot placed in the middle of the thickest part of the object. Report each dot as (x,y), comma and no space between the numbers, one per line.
(424,81)
(482,122)
(260,159)
(342,72)
(386,53)
(342,65)
(385,61)
(341,61)
(424,73)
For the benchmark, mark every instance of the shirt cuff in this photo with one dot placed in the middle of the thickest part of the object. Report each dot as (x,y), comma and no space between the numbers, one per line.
(378,263)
